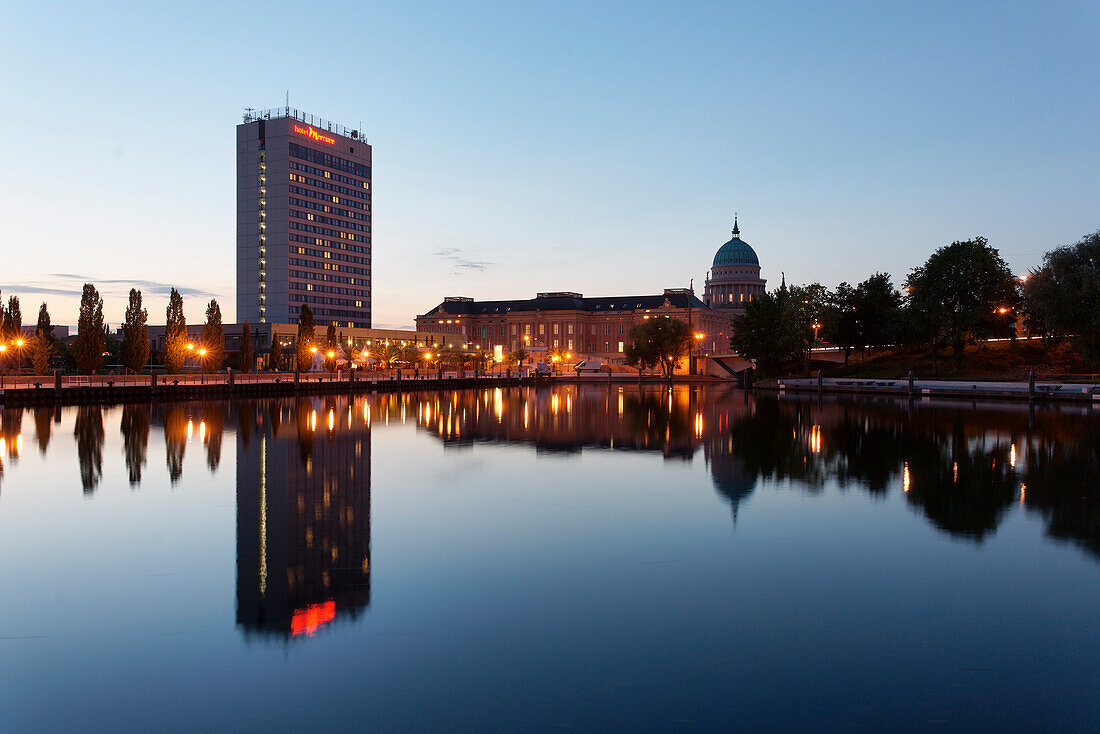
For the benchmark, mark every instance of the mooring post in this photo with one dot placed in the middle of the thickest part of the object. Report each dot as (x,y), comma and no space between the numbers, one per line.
(910,383)
(57,384)
(1031,385)
(820,382)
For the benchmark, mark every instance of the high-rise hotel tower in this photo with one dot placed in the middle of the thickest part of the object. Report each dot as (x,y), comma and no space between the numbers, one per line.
(303,219)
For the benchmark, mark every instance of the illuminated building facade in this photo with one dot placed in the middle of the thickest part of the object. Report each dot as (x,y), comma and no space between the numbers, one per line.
(303,516)
(589,327)
(303,220)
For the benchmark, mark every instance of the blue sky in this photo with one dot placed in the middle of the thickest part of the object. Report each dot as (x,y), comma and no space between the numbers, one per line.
(519,147)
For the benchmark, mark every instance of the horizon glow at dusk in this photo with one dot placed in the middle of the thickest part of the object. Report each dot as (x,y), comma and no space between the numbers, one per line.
(601,150)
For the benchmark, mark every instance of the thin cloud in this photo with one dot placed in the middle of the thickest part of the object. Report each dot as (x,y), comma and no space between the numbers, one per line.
(458,258)
(16,290)
(152,286)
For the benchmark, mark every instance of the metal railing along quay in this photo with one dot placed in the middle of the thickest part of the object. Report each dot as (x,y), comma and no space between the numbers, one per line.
(984,389)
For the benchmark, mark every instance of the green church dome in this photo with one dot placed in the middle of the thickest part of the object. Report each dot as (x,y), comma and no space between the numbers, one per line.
(736,252)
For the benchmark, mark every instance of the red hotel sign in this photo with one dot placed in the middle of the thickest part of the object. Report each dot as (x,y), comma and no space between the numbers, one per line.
(312,134)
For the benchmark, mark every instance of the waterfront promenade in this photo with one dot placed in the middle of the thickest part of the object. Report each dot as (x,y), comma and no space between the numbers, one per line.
(76,389)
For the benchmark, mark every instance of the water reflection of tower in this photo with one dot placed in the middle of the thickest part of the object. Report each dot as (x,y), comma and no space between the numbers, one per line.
(303,519)
(727,469)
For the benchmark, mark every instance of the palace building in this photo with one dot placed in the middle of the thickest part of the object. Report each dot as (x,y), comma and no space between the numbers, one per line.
(600,327)
(569,322)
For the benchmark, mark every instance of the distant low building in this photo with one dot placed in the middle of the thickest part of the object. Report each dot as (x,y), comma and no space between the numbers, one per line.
(286,334)
(59,331)
(567,321)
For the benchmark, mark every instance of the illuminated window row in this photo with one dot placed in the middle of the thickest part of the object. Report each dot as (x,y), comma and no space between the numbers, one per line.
(318,288)
(329,232)
(328,266)
(329,220)
(328,160)
(330,243)
(365,206)
(363,192)
(310,275)
(330,209)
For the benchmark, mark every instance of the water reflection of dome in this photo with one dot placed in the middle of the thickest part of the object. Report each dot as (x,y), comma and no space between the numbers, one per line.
(728,474)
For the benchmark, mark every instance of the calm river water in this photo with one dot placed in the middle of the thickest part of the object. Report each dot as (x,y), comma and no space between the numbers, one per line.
(553,559)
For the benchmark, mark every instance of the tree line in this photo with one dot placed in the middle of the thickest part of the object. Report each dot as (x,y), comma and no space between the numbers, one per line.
(963,294)
(93,342)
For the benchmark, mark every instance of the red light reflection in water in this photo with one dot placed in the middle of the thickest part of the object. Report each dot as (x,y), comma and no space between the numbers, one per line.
(308,620)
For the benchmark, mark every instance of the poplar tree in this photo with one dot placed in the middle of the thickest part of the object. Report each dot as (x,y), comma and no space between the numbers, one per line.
(245,354)
(42,346)
(275,360)
(135,334)
(306,340)
(91,333)
(13,319)
(175,334)
(213,336)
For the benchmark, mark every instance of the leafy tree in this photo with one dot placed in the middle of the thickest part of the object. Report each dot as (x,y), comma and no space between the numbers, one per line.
(659,343)
(776,327)
(91,332)
(411,353)
(388,354)
(135,334)
(175,334)
(213,336)
(42,346)
(840,319)
(1062,298)
(956,297)
(878,309)
(246,357)
(481,359)
(305,341)
(519,356)
(275,356)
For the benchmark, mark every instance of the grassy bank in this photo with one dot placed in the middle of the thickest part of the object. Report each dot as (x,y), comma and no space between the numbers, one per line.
(987,361)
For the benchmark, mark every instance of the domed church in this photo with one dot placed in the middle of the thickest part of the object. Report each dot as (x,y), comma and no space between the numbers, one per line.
(734,277)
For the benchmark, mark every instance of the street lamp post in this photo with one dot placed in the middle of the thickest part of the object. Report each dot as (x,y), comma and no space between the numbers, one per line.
(18,355)
(202,365)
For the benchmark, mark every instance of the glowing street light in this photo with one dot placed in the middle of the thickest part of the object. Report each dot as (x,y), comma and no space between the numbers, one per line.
(815,326)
